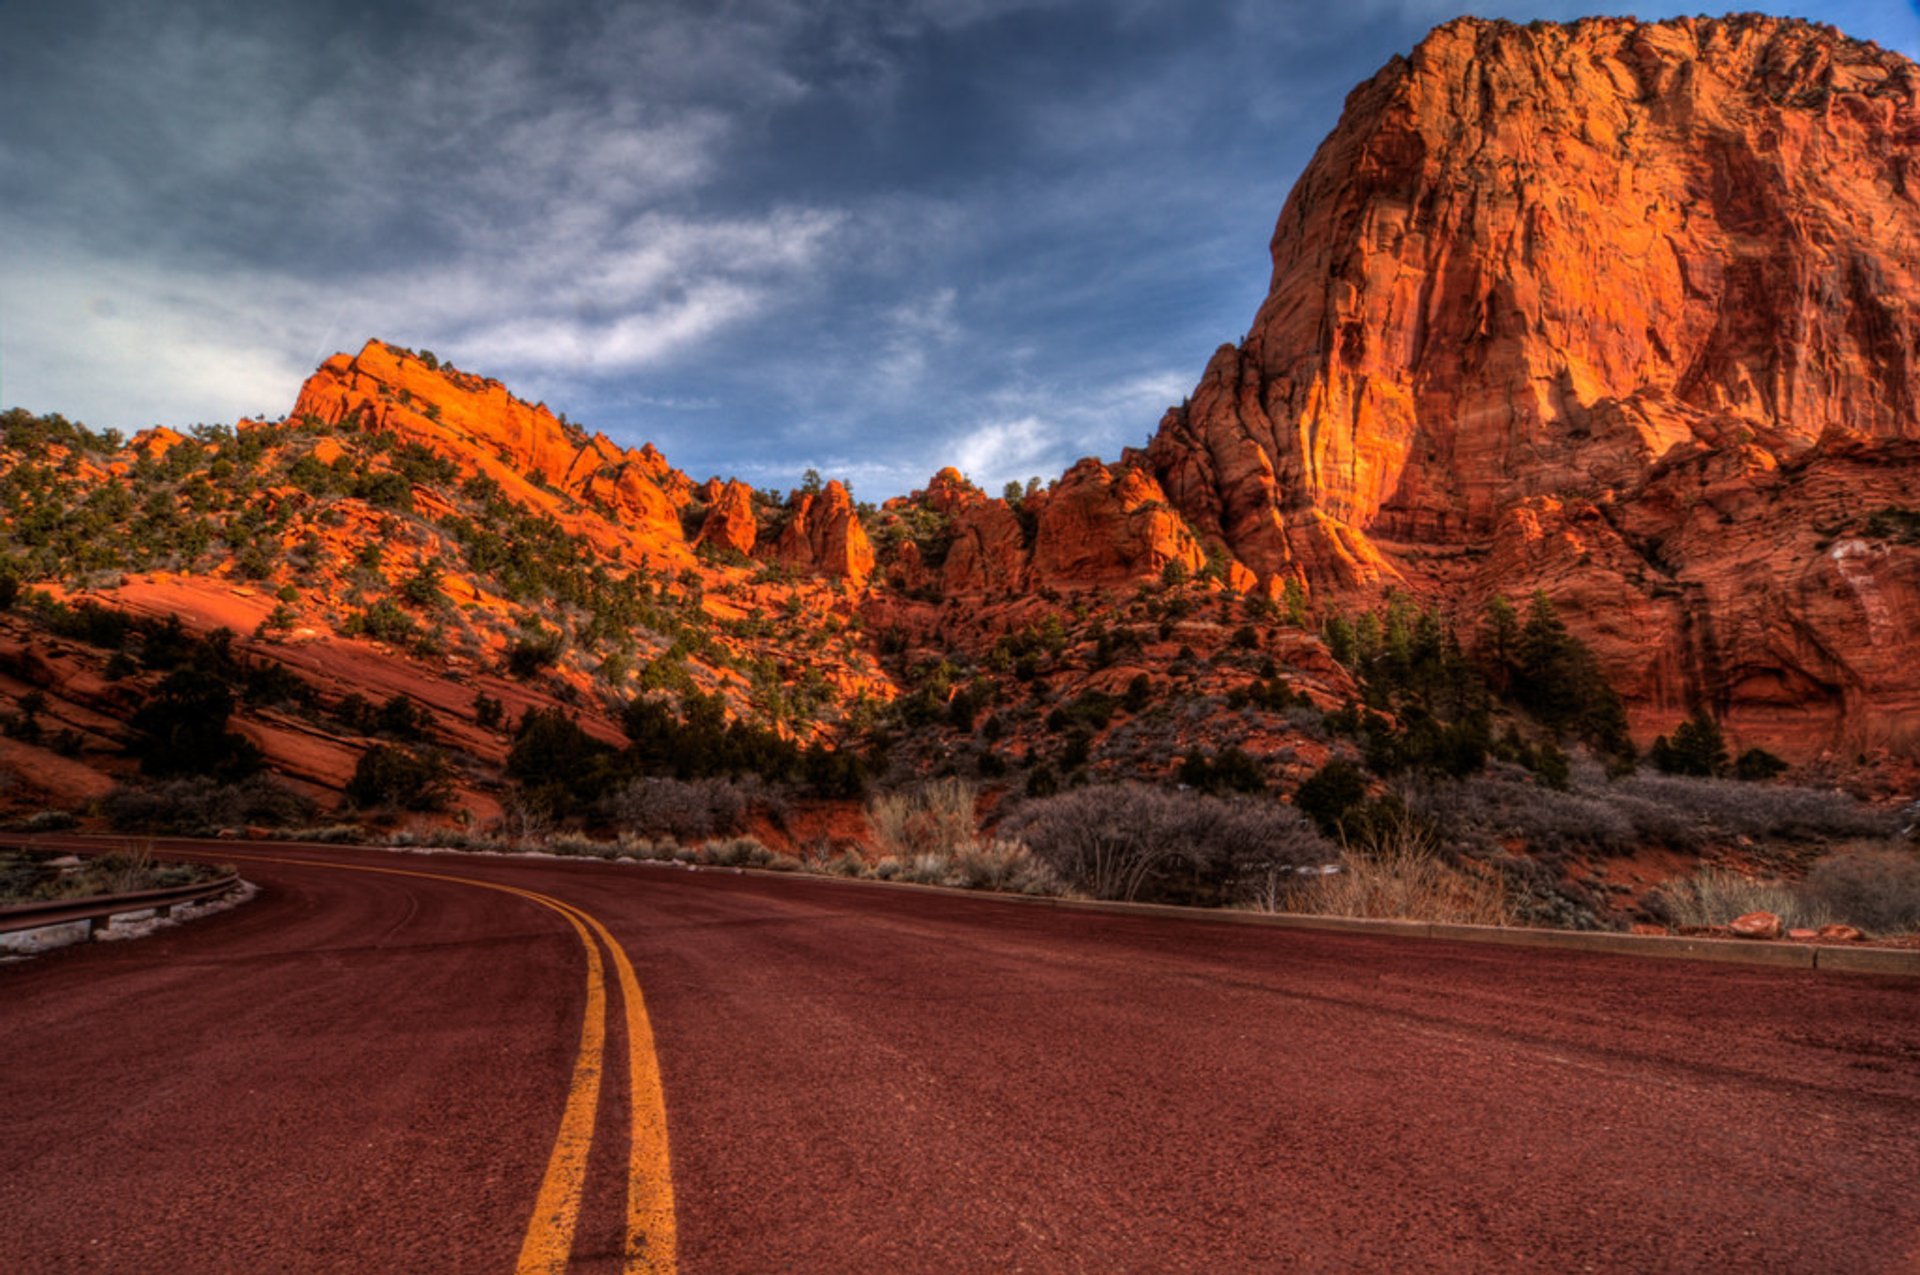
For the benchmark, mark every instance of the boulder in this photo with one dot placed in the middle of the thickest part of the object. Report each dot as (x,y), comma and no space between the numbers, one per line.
(1755,925)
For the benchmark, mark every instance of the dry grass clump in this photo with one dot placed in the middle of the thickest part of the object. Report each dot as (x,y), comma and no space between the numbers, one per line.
(450,839)
(933,818)
(737,852)
(331,834)
(1008,866)
(576,846)
(1715,896)
(1874,886)
(928,835)
(1398,873)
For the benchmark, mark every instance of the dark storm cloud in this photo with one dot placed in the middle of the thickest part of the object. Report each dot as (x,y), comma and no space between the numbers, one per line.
(870,238)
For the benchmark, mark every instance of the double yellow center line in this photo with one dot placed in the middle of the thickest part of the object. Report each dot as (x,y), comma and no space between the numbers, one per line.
(650,1239)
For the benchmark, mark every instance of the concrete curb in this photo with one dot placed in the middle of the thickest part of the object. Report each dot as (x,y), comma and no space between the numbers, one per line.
(1895,962)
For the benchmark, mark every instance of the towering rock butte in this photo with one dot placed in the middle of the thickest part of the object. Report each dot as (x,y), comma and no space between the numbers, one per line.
(1626,311)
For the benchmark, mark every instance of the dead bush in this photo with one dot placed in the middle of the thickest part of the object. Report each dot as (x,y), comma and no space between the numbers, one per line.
(1479,815)
(1130,841)
(1763,812)
(1874,886)
(683,809)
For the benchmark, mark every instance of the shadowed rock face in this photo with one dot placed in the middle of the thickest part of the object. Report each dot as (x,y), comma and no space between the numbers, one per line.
(1543,294)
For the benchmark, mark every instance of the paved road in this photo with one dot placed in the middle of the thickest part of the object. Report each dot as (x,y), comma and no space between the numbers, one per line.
(364,1071)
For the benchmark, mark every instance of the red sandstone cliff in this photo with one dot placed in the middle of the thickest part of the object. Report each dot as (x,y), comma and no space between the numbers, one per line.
(1627,311)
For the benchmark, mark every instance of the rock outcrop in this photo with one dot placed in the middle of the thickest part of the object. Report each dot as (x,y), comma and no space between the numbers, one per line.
(1097,526)
(1103,526)
(823,533)
(731,523)
(1626,311)
(475,423)
(635,497)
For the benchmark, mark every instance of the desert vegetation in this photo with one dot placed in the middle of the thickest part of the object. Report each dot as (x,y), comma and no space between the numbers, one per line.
(1134,842)
(34,876)
(1874,886)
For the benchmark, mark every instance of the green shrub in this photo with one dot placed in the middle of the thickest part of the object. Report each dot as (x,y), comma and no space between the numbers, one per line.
(1229,770)
(1698,748)
(389,775)
(1757,764)
(201,805)
(384,621)
(528,655)
(183,729)
(1331,794)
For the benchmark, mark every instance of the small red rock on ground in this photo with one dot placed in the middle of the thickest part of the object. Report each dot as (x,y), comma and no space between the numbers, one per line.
(1756,925)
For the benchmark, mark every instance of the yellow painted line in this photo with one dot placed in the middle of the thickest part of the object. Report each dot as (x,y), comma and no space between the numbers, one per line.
(652,1241)
(556,1210)
(651,1237)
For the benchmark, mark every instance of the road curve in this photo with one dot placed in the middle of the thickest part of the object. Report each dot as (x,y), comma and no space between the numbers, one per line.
(361,1071)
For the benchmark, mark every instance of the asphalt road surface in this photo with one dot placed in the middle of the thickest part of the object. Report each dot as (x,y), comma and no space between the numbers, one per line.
(606,1067)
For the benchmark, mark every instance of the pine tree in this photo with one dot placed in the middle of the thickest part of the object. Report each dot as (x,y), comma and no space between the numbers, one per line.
(1697,748)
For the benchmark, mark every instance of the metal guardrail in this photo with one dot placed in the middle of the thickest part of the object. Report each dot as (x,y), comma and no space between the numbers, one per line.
(99,910)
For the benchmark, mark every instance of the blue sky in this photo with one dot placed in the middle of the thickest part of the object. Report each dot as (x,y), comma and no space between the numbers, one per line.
(870,238)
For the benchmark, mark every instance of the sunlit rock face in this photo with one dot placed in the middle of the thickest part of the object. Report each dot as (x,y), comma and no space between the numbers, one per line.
(1621,310)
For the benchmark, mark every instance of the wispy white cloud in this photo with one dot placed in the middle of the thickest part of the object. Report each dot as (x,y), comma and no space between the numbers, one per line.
(127,344)
(913,335)
(994,452)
